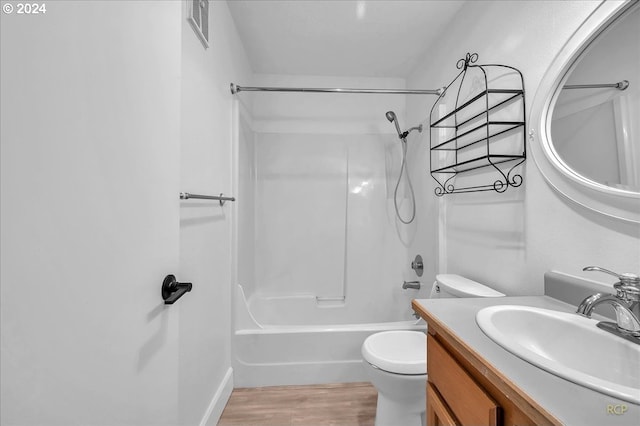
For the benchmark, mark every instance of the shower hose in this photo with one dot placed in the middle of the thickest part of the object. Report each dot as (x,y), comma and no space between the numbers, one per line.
(403,169)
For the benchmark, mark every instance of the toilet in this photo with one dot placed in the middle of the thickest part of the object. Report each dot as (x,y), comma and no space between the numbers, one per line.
(396,361)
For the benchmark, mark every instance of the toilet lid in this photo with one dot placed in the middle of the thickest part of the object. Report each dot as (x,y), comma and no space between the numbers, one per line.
(400,352)
(464,287)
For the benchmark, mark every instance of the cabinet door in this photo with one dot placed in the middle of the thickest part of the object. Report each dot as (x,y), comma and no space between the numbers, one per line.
(437,411)
(467,400)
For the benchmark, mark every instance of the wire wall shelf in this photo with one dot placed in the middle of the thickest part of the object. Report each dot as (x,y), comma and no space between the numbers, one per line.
(477,139)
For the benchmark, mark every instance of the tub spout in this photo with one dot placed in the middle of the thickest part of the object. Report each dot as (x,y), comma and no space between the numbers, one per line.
(411,284)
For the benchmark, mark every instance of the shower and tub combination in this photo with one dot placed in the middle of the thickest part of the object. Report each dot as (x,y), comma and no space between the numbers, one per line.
(323,192)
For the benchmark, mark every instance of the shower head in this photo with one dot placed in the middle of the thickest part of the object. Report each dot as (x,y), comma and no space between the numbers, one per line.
(391,116)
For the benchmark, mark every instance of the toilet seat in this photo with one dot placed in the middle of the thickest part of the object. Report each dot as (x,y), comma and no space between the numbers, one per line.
(397,352)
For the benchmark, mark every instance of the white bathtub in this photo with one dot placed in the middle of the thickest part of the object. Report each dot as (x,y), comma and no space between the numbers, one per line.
(270,355)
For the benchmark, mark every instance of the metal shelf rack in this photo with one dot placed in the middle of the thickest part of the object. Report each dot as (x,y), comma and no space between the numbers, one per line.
(483,134)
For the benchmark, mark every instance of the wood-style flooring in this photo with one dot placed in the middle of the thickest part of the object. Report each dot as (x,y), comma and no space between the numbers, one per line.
(343,404)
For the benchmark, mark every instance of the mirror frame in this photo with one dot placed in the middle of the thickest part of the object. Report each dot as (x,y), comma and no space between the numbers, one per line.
(615,202)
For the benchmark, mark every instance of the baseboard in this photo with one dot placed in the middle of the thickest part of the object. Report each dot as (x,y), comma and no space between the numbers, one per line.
(219,401)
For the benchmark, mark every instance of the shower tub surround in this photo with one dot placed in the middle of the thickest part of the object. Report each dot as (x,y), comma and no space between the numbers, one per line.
(321,256)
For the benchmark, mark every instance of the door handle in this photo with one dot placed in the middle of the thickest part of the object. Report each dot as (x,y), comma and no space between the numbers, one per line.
(172,290)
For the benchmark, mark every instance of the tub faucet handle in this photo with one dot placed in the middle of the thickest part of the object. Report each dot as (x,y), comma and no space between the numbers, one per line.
(417,265)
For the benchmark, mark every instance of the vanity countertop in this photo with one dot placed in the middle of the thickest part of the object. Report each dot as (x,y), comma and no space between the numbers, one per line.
(571,404)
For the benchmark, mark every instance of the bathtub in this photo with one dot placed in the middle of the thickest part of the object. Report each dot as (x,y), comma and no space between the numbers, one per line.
(279,354)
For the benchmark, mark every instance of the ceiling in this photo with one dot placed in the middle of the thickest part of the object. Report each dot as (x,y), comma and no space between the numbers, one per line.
(375,38)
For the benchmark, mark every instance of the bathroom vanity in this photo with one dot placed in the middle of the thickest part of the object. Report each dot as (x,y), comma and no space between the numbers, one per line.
(472,380)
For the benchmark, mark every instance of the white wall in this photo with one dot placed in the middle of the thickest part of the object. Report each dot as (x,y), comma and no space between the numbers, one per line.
(509,240)
(205,226)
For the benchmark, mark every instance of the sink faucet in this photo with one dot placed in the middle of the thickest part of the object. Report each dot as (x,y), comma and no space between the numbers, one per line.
(411,284)
(626,303)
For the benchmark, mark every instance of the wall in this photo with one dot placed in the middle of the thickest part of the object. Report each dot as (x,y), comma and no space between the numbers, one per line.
(205,375)
(509,240)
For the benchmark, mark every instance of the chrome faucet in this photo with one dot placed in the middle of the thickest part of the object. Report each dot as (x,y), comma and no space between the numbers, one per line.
(411,284)
(626,303)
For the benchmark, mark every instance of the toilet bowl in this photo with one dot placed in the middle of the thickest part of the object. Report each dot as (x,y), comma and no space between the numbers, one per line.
(396,361)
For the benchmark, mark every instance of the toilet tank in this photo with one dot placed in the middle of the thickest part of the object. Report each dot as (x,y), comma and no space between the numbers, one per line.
(450,285)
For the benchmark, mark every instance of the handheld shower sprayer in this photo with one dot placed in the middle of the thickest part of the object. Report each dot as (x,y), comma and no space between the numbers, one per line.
(391,116)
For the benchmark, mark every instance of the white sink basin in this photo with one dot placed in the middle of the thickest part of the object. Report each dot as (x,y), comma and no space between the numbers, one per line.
(567,345)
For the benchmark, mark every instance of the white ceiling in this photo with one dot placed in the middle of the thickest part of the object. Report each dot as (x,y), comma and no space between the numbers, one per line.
(375,38)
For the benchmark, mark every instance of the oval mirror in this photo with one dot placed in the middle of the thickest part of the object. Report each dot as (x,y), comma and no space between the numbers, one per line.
(585,138)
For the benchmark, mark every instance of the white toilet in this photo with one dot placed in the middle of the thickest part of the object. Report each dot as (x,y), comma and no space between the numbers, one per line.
(396,361)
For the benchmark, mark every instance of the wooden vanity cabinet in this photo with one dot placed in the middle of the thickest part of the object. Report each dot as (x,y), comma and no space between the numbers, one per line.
(438,412)
(465,401)
(462,389)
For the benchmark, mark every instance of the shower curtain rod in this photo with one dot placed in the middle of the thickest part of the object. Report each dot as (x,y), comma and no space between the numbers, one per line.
(622,85)
(236,89)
